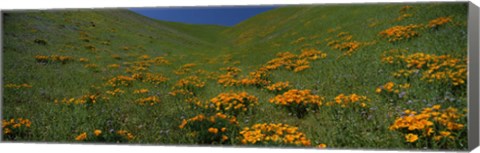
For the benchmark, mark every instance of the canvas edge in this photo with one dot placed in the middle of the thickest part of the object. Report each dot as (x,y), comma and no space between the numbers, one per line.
(1,70)
(473,76)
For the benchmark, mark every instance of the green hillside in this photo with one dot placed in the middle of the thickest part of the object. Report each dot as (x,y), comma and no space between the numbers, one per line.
(113,76)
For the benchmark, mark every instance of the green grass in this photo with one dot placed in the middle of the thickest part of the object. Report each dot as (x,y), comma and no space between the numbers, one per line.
(247,45)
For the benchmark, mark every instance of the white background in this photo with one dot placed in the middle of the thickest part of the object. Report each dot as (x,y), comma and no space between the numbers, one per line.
(87,148)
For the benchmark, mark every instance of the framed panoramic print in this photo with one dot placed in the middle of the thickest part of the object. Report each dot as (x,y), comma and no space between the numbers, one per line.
(389,76)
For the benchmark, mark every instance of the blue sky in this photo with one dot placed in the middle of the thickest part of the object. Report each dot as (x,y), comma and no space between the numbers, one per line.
(226,16)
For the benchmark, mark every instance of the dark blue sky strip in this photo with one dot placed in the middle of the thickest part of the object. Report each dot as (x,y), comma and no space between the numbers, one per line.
(226,16)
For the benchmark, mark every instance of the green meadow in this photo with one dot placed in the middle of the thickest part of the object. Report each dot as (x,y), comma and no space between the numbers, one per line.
(370,76)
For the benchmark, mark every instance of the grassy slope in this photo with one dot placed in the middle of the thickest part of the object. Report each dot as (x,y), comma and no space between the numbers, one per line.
(62,31)
(276,30)
(252,43)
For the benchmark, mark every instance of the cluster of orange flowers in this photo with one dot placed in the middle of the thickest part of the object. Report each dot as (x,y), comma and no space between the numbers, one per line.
(53,58)
(140,91)
(287,60)
(390,87)
(438,22)
(229,79)
(137,76)
(405,72)
(98,135)
(211,129)
(349,47)
(283,59)
(159,60)
(398,33)
(298,101)
(14,127)
(322,145)
(120,81)
(212,119)
(312,54)
(115,92)
(137,67)
(81,137)
(125,134)
(187,86)
(349,100)
(150,78)
(85,99)
(232,70)
(258,78)
(432,123)
(294,62)
(184,69)
(234,102)
(279,86)
(295,96)
(197,103)
(190,82)
(300,65)
(435,67)
(176,92)
(392,56)
(144,63)
(17,86)
(344,43)
(273,134)
(152,100)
